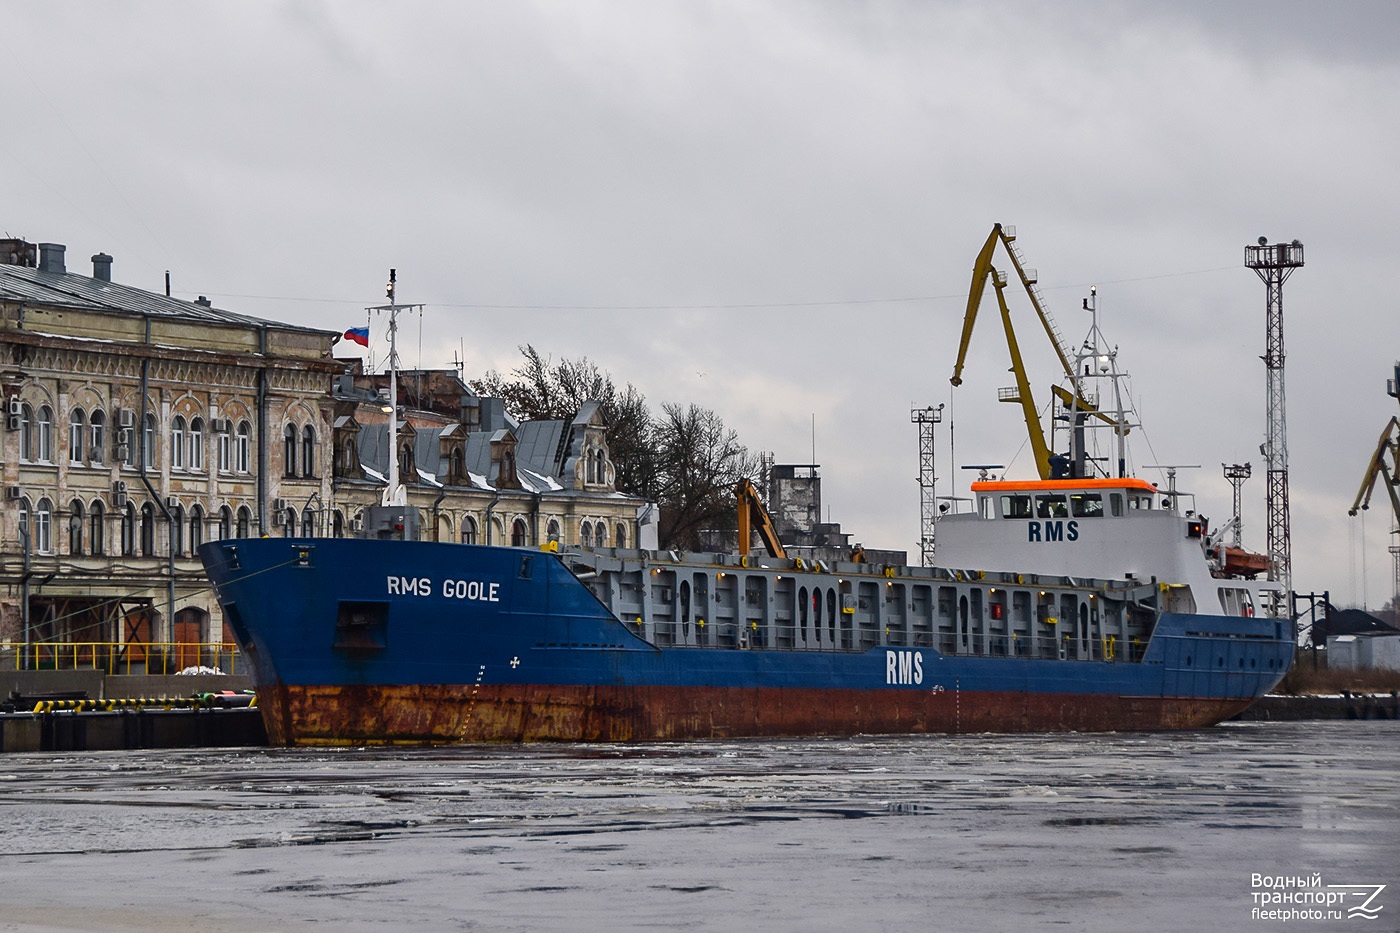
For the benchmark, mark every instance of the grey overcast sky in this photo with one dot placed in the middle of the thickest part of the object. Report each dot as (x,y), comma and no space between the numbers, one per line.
(770,209)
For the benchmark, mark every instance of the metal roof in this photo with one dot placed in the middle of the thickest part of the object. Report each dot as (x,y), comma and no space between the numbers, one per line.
(70,290)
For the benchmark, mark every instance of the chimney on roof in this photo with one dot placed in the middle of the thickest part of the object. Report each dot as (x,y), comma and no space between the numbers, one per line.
(102,267)
(201,300)
(51,257)
(16,252)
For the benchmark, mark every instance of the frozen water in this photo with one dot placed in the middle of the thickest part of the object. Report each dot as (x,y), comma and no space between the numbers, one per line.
(1075,832)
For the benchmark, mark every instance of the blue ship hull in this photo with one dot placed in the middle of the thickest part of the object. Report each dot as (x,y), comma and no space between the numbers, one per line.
(364,641)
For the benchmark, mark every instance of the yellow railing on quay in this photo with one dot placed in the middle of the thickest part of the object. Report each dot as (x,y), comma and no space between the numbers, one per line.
(112,657)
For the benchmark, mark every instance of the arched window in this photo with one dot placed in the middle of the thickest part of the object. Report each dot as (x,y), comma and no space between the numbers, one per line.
(177,531)
(585,534)
(177,443)
(552,530)
(338,523)
(75,528)
(25,540)
(43,447)
(148,441)
(289,450)
(620,537)
(224,462)
(457,472)
(196,527)
(148,530)
(589,476)
(468,530)
(225,527)
(308,523)
(242,449)
(77,433)
(41,541)
(308,451)
(600,532)
(245,521)
(197,444)
(97,426)
(406,474)
(128,544)
(496,532)
(519,533)
(289,522)
(344,456)
(26,432)
(97,529)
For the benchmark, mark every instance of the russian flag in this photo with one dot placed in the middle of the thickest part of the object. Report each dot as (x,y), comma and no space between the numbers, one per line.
(359,335)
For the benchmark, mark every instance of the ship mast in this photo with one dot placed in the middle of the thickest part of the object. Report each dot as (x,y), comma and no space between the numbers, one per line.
(394,494)
(1095,360)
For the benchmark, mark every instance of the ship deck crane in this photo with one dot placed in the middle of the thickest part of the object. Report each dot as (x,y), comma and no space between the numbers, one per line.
(1073,401)
(754,517)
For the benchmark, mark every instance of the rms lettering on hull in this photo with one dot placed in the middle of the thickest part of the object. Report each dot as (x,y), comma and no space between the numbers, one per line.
(486,591)
(904,667)
(1053,531)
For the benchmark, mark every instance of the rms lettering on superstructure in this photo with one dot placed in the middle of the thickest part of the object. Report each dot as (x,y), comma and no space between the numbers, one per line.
(1052,531)
(904,667)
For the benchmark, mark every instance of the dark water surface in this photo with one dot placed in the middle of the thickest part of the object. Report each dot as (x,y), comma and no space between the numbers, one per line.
(1062,832)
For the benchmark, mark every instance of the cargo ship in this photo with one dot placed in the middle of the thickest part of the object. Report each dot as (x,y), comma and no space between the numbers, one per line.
(1073,601)
(1101,615)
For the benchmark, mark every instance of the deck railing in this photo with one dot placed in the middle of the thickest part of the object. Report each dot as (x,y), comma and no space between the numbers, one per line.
(161,657)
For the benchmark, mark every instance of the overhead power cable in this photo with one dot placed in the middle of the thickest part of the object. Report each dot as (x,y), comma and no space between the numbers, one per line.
(739,306)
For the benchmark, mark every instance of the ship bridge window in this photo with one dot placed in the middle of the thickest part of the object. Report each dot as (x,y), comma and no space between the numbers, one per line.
(1015,506)
(1051,507)
(1086,505)
(1115,504)
(1139,502)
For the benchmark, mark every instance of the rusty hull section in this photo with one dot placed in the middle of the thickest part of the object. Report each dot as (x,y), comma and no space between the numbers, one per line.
(441,713)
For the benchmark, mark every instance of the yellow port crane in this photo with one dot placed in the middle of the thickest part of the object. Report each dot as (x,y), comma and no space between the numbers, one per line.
(1385,462)
(983,270)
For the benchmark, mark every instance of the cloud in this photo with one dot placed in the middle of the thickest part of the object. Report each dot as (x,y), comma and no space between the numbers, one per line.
(725,187)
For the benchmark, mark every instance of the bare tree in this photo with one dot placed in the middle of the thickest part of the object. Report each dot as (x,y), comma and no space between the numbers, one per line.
(700,462)
(686,460)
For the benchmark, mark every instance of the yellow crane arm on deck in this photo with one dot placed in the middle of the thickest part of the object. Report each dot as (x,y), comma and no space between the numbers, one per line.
(754,517)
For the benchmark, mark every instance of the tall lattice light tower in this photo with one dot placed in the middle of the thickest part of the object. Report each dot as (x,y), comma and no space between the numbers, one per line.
(926,418)
(1274,264)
